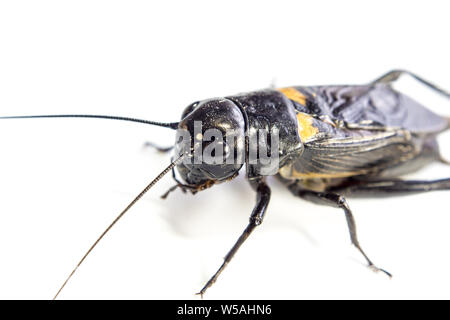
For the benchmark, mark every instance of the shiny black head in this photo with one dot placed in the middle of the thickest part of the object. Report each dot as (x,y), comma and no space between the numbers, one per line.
(212,135)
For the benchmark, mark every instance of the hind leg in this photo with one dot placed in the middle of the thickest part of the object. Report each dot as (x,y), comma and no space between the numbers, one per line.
(393,75)
(370,188)
(338,201)
(390,187)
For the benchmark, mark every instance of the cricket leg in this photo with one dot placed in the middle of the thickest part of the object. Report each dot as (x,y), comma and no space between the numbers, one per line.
(338,201)
(393,75)
(256,218)
(394,187)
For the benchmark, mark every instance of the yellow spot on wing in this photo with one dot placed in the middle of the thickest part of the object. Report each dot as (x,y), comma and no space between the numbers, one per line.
(293,94)
(306,130)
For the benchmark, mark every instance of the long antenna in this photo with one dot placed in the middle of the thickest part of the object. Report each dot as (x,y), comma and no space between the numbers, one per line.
(132,203)
(171,125)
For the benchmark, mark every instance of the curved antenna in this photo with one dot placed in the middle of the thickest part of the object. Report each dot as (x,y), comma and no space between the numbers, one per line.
(132,203)
(171,125)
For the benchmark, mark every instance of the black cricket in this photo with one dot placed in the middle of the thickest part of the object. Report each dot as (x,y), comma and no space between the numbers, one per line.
(334,141)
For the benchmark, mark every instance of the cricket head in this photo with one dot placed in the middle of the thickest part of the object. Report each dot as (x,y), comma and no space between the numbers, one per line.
(211,135)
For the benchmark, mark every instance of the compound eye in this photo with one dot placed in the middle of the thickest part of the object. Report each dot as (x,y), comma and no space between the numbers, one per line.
(213,151)
(226,150)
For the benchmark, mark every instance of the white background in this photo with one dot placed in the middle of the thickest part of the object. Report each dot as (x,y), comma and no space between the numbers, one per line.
(63,181)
